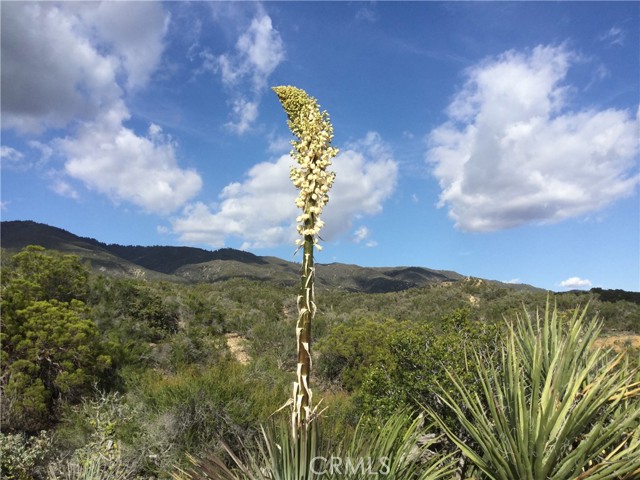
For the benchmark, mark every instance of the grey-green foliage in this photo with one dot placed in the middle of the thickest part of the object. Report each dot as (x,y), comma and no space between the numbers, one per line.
(23,458)
(91,437)
(95,468)
(551,406)
(389,450)
(194,409)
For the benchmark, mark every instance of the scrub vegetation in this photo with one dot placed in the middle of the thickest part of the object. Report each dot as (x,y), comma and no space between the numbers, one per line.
(107,377)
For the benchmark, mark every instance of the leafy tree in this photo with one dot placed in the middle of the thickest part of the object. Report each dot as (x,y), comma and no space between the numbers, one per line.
(134,312)
(51,352)
(37,274)
(51,349)
(393,364)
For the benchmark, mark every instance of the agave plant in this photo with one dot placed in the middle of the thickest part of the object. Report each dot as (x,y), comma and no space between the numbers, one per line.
(550,406)
(391,451)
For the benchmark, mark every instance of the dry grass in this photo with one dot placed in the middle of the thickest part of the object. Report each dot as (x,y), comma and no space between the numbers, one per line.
(618,342)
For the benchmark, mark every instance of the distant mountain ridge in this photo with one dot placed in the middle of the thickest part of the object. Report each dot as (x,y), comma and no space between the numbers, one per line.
(190,264)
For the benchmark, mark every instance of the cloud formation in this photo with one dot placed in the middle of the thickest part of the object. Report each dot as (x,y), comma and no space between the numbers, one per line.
(38,38)
(614,36)
(93,54)
(361,235)
(575,283)
(366,176)
(134,32)
(511,153)
(258,51)
(245,70)
(111,159)
(261,210)
(11,158)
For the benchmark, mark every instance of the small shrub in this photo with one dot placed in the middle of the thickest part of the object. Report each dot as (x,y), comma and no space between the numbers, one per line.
(22,457)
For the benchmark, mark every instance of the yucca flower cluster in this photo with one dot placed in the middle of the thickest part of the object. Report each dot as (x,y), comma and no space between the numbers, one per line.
(313,152)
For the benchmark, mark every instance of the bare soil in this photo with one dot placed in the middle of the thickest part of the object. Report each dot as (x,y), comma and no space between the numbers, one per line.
(236,345)
(619,342)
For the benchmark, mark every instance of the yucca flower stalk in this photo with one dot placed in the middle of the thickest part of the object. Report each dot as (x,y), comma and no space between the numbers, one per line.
(313,152)
(551,406)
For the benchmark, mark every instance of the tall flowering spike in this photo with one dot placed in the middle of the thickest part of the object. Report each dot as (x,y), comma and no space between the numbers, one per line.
(313,152)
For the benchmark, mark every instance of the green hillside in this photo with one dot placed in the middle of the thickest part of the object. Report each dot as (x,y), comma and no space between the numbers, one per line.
(129,364)
(199,265)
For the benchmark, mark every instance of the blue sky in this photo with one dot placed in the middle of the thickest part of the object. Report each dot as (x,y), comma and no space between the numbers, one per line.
(499,140)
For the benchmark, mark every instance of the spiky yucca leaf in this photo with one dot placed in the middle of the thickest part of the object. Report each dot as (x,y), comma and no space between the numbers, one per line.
(551,406)
(278,456)
(392,451)
(397,441)
(94,468)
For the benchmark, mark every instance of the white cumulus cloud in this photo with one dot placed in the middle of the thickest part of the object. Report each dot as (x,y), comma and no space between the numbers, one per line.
(111,159)
(575,283)
(70,65)
(135,32)
(511,153)
(366,176)
(261,210)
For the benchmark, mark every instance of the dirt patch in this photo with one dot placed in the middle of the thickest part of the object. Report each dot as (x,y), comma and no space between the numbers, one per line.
(475,301)
(237,346)
(619,342)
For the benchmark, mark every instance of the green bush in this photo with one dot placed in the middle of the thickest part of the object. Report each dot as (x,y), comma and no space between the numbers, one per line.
(394,364)
(194,409)
(23,457)
(420,357)
(51,352)
(351,349)
(36,274)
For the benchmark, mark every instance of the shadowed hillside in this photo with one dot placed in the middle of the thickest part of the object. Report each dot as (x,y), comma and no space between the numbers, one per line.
(197,265)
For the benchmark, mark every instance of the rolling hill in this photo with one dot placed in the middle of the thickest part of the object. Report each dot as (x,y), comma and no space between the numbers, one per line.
(189,264)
